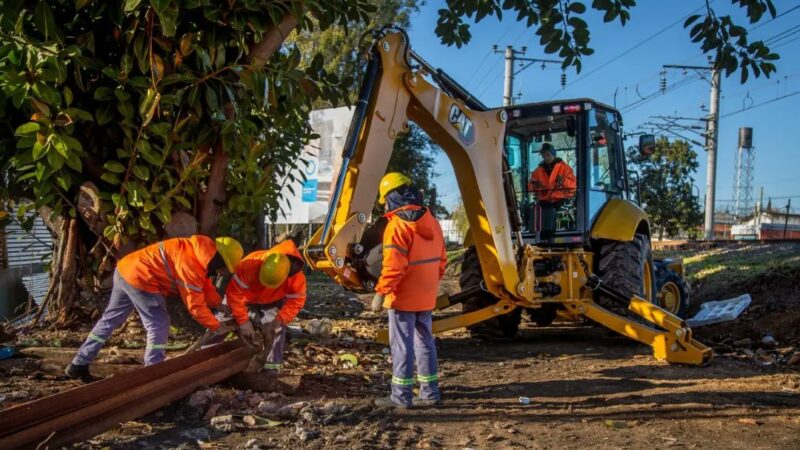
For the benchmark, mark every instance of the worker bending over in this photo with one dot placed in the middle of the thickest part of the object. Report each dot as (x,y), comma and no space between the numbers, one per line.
(272,285)
(413,264)
(145,277)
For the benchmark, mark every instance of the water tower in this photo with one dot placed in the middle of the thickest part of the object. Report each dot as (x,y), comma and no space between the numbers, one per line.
(743,174)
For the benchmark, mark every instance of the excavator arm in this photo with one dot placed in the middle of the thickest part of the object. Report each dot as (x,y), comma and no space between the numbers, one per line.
(398,87)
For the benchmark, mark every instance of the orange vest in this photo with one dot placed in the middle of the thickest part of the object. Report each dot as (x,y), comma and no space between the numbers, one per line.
(559,185)
(414,260)
(176,266)
(245,288)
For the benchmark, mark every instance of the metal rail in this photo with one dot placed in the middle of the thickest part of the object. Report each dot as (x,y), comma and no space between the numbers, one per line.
(80,413)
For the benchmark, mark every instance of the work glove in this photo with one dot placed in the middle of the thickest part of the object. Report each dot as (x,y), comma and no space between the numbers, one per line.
(377,303)
(248,333)
(225,327)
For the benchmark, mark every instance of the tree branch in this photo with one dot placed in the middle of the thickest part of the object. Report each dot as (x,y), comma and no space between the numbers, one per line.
(271,41)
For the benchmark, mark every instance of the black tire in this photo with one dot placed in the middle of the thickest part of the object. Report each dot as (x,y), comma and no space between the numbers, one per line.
(545,315)
(505,326)
(621,265)
(671,283)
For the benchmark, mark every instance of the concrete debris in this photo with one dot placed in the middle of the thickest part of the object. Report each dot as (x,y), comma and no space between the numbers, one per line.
(224,423)
(292,410)
(268,407)
(319,327)
(769,340)
(305,434)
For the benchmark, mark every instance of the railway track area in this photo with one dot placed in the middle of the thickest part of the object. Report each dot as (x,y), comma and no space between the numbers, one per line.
(83,412)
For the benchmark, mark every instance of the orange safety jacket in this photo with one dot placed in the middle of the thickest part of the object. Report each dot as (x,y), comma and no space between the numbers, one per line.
(176,266)
(559,184)
(414,260)
(245,288)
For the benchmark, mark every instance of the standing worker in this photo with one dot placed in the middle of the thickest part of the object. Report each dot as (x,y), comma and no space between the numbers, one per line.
(271,283)
(413,264)
(143,278)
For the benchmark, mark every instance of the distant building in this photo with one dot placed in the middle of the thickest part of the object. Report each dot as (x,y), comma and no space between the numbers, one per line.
(723,221)
(452,235)
(767,225)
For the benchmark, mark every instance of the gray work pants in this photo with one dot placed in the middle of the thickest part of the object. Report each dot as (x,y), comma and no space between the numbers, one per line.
(411,338)
(124,299)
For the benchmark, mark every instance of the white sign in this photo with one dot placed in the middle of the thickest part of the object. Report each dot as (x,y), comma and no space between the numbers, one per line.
(307,201)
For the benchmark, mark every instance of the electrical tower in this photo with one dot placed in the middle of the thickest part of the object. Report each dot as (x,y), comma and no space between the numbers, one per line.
(743,174)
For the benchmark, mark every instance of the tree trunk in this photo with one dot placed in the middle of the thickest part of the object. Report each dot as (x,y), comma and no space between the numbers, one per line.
(214,197)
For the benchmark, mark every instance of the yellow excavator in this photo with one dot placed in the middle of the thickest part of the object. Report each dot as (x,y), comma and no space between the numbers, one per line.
(585,257)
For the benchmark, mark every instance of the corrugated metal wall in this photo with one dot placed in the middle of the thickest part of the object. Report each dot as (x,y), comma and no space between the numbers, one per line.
(27,249)
(22,267)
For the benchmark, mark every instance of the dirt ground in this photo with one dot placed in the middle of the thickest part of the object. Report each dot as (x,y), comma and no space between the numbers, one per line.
(587,387)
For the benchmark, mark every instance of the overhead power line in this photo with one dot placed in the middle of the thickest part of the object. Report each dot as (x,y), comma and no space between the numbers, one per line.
(791,94)
(634,47)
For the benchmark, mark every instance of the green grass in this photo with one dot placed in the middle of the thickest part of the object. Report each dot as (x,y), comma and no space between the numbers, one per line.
(733,266)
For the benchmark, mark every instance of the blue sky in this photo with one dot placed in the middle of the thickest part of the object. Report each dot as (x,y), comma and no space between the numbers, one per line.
(776,126)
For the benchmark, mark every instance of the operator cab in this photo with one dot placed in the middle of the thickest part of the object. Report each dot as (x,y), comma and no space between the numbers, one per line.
(559,196)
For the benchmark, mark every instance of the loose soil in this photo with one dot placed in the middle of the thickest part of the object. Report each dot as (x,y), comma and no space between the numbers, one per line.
(587,387)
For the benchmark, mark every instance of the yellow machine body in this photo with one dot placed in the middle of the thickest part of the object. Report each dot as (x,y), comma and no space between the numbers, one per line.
(473,141)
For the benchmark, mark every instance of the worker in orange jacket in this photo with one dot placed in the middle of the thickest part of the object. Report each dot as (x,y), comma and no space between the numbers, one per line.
(414,261)
(142,279)
(272,285)
(553,181)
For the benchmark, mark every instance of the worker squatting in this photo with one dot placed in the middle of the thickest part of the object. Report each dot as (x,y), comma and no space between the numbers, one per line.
(268,288)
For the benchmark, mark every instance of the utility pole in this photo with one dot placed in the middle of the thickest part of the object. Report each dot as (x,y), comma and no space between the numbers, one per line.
(711,134)
(511,57)
(711,170)
(786,222)
(759,208)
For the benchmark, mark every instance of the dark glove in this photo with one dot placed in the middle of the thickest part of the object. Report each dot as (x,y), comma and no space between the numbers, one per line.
(225,327)
(248,333)
(377,303)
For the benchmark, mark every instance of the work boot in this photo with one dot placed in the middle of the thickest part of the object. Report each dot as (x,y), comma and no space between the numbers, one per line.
(426,402)
(387,402)
(80,373)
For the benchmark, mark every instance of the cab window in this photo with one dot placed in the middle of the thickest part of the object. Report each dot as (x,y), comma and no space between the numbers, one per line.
(604,148)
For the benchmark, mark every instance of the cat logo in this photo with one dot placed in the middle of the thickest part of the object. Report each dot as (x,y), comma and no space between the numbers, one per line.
(462,123)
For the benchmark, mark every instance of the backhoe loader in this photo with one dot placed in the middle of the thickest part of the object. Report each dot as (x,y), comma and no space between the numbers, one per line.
(585,257)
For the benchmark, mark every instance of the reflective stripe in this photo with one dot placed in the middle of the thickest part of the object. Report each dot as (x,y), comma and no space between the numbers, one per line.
(428,378)
(425,261)
(272,365)
(402,381)
(239,281)
(156,346)
(97,338)
(295,296)
(396,247)
(175,281)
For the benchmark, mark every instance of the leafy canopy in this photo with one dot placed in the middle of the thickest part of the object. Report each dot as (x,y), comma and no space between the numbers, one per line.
(562,28)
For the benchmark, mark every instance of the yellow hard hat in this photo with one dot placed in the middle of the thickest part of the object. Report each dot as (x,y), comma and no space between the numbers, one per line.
(390,182)
(230,250)
(274,270)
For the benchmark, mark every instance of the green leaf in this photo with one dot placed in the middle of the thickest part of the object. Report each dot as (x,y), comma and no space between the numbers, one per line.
(60,145)
(27,128)
(110,178)
(131,5)
(103,93)
(182,200)
(104,114)
(74,162)
(577,7)
(40,150)
(67,92)
(114,166)
(141,172)
(44,20)
(55,160)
